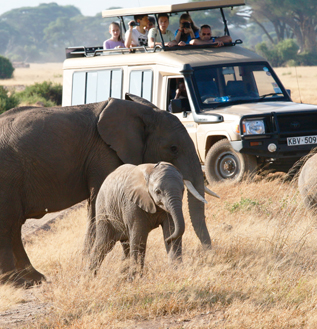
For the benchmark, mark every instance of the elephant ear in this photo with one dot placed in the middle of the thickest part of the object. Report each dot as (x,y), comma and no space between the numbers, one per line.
(137,188)
(140,100)
(122,126)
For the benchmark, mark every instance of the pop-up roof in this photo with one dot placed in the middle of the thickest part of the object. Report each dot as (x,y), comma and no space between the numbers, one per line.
(189,6)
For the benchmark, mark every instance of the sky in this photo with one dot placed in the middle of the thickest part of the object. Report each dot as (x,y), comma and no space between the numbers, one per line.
(87,7)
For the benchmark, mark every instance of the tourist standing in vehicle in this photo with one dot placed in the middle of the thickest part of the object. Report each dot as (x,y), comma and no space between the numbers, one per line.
(151,23)
(187,30)
(206,38)
(116,40)
(137,33)
(154,34)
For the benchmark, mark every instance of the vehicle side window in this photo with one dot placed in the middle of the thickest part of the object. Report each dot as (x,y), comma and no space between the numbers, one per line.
(96,86)
(141,84)
(79,84)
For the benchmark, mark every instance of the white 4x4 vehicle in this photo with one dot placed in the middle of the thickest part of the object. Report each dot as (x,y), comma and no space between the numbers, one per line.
(237,111)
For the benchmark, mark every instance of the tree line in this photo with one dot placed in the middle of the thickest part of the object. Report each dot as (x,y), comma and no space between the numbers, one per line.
(283,31)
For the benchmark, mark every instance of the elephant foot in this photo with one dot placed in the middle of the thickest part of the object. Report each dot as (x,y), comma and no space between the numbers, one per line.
(24,278)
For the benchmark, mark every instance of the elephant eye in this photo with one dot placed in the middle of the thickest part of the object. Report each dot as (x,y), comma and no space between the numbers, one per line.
(158,191)
(174,149)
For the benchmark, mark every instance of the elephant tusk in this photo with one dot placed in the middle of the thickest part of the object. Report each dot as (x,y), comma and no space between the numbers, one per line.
(193,191)
(211,192)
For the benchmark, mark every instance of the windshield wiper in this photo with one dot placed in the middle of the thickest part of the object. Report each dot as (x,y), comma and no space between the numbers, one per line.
(271,94)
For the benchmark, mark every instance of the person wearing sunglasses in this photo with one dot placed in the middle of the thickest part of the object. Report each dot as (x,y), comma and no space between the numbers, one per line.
(206,38)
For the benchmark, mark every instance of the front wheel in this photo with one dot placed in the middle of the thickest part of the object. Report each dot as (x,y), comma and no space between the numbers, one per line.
(223,163)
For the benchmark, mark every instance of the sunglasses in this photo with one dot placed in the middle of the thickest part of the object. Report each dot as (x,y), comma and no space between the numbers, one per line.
(206,33)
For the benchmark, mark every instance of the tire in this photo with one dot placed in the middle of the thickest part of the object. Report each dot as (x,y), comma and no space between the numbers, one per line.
(223,163)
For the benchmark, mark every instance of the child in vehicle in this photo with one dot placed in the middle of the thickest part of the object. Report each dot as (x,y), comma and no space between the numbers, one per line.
(116,40)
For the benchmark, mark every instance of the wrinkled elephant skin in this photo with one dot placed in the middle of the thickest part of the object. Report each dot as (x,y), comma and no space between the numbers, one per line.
(132,201)
(307,183)
(53,158)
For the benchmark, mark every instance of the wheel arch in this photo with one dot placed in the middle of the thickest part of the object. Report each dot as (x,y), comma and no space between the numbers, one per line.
(213,139)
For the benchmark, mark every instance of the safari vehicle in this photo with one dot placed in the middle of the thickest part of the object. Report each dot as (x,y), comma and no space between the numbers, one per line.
(237,112)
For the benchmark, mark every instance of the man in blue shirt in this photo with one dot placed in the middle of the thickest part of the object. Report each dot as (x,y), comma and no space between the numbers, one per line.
(206,38)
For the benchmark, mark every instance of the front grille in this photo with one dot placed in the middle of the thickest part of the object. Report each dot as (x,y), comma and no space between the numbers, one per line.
(296,124)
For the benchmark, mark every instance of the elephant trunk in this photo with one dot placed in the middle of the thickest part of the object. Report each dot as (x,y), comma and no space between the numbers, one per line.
(179,222)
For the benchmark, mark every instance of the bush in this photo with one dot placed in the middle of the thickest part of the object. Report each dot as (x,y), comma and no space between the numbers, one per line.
(307,59)
(6,68)
(7,102)
(46,92)
(280,53)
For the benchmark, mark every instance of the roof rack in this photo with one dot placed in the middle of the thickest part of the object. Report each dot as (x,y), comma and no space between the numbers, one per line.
(82,51)
(73,52)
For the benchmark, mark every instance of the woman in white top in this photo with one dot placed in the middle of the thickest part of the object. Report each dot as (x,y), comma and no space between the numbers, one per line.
(154,35)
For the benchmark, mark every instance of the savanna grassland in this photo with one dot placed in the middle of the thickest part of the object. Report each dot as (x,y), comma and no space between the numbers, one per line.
(261,272)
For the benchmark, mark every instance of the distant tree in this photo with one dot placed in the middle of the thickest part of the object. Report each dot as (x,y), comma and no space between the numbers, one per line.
(6,68)
(290,19)
(28,24)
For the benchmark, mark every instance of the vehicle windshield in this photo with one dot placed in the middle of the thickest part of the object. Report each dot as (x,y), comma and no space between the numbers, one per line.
(242,83)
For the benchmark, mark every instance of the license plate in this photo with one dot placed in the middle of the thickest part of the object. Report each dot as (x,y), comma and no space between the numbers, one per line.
(303,140)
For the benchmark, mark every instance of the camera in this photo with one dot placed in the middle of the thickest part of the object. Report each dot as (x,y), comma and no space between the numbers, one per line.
(133,23)
(186,25)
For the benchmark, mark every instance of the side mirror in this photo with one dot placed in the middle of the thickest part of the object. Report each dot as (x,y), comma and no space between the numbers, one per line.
(179,105)
(289,92)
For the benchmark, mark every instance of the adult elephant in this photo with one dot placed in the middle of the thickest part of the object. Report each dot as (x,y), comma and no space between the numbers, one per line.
(52,158)
(307,181)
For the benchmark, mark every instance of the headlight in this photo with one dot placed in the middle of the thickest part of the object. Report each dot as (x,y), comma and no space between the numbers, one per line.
(254,127)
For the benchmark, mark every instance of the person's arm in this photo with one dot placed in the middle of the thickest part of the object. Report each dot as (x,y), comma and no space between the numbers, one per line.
(196,42)
(219,42)
(178,35)
(128,36)
(191,33)
(171,43)
(224,39)
(152,38)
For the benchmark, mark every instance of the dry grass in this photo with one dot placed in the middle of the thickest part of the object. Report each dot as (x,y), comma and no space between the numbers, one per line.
(261,272)
(301,81)
(36,73)
(10,296)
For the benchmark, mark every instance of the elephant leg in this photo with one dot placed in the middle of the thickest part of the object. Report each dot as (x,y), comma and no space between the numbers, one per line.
(24,268)
(7,266)
(173,249)
(104,243)
(126,249)
(90,235)
(137,251)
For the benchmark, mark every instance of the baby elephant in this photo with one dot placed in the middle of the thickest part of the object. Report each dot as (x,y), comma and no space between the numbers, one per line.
(132,201)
